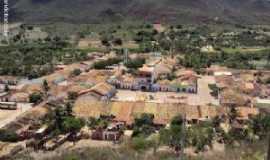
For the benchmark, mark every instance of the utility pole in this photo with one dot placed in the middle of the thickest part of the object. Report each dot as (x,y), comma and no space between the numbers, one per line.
(182,157)
(268,151)
(125,56)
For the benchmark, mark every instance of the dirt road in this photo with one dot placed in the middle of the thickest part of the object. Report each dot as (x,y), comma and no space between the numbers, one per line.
(8,116)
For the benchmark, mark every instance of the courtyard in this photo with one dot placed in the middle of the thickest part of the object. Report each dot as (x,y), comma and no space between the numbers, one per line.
(203,97)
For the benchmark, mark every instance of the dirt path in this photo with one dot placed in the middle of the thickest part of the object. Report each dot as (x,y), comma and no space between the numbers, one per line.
(10,116)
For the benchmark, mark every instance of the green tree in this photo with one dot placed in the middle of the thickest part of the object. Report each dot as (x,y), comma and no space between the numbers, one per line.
(260,124)
(69,109)
(92,122)
(201,135)
(46,86)
(35,98)
(72,95)
(174,135)
(76,72)
(58,118)
(143,125)
(144,119)
(72,124)
(233,114)
(268,57)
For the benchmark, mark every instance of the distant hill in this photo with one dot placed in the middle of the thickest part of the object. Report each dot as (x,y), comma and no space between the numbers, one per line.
(177,11)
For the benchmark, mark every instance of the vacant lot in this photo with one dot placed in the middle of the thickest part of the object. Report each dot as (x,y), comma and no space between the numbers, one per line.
(89,43)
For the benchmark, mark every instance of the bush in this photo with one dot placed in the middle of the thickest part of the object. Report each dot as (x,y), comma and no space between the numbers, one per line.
(97,122)
(72,95)
(105,42)
(135,63)
(177,120)
(139,144)
(214,89)
(76,72)
(8,136)
(103,64)
(118,41)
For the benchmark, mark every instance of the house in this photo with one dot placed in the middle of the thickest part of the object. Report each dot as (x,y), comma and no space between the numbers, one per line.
(58,80)
(185,83)
(249,88)
(224,82)
(41,131)
(216,68)
(60,67)
(262,102)
(126,112)
(232,98)
(163,70)
(4,96)
(207,48)
(32,88)
(244,113)
(142,81)
(103,90)
(111,135)
(55,142)
(108,134)
(9,80)
(126,81)
(222,73)
(8,105)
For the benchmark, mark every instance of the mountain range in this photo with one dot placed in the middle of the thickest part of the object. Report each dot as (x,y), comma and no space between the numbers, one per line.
(174,11)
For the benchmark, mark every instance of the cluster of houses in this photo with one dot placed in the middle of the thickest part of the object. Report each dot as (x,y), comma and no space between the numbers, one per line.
(154,77)
(11,93)
(95,88)
(241,88)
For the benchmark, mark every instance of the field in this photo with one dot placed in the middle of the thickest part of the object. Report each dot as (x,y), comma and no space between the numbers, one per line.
(89,43)
(245,49)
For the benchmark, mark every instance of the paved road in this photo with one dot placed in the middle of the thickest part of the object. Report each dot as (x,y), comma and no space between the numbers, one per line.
(203,96)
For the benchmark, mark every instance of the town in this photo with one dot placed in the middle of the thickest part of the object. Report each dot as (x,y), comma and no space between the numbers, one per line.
(119,97)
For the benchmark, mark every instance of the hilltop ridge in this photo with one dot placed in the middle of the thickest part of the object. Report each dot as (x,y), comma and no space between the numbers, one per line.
(174,11)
